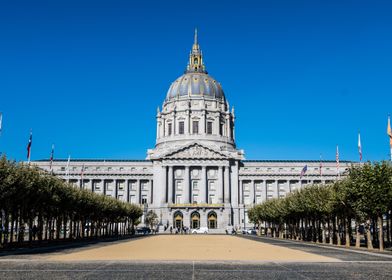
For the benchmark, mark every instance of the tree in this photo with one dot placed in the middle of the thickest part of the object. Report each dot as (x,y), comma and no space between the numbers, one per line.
(151,219)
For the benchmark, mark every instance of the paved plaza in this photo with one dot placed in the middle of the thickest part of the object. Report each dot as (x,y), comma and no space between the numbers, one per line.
(197,257)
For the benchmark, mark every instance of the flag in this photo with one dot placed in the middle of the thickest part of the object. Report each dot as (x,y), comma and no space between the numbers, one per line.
(81,176)
(1,122)
(321,165)
(67,168)
(29,146)
(337,160)
(359,147)
(304,170)
(51,157)
(389,131)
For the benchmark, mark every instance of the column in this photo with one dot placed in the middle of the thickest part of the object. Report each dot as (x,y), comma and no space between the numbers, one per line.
(174,132)
(203,123)
(220,185)
(227,184)
(150,199)
(252,192)
(265,191)
(127,190)
(115,188)
(159,189)
(170,185)
(138,191)
(203,186)
(187,129)
(158,132)
(186,185)
(228,126)
(241,194)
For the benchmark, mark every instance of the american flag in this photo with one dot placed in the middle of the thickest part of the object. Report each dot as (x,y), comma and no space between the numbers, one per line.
(359,147)
(29,146)
(1,122)
(304,170)
(389,131)
(51,158)
(81,176)
(337,160)
(67,168)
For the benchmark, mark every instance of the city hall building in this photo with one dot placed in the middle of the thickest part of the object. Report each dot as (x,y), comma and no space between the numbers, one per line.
(195,176)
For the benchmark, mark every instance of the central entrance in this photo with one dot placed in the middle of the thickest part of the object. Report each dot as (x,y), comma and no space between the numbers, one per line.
(178,219)
(195,220)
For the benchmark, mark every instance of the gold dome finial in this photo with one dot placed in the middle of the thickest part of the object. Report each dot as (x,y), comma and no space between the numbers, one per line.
(195,39)
(196,58)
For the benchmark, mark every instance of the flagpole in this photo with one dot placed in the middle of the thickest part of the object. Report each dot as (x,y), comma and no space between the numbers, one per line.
(389,132)
(321,166)
(69,159)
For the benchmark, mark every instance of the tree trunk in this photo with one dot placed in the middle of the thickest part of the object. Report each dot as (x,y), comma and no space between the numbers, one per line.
(338,239)
(347,230)
(357,235)
(380,233)
(369,235)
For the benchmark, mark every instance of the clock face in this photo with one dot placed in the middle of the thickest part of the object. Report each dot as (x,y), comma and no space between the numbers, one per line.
(195,172)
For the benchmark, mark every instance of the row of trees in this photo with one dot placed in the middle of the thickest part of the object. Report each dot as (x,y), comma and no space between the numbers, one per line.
(35,205)
(337,213)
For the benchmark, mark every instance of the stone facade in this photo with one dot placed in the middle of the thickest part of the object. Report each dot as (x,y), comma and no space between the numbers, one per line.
(195,176)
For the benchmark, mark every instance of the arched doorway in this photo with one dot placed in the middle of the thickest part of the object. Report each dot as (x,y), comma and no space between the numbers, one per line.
(177,219)
(195,220)
(212,220)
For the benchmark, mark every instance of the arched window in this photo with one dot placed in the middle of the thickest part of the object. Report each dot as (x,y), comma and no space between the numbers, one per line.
(212,220)
(178,219)
(195,220)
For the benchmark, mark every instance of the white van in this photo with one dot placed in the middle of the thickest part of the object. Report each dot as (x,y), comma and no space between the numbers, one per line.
(200,230)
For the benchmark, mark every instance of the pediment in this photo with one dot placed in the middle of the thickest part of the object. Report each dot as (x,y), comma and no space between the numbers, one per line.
(194,151)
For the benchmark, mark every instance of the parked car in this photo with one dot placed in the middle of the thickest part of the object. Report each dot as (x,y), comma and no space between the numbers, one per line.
(200,230)
(143,230)
(251,231)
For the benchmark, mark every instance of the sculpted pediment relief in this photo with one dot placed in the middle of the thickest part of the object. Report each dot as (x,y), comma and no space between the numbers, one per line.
(195,151)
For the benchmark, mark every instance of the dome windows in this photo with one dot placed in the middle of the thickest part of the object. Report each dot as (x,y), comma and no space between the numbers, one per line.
(195,127)
(181,127)
(209,127)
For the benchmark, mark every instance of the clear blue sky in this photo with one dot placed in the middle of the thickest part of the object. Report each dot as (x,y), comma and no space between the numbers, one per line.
(88,75)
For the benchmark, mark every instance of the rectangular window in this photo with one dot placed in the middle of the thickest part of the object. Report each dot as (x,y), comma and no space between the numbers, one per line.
(144,199)
(195,198)
(211,185)
(178,185)
(195,185)
(132,199)
(121,185)
(169,129)
(209,127)
(120,197)
(178,199)
(195,127)
(133,186)
(144,186)
(181,127)
(211,199)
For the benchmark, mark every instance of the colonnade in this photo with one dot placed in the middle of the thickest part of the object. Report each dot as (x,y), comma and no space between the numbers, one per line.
(203,192)
(270,188)
(122,188)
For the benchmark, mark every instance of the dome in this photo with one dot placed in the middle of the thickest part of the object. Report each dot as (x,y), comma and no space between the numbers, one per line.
(194,84)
